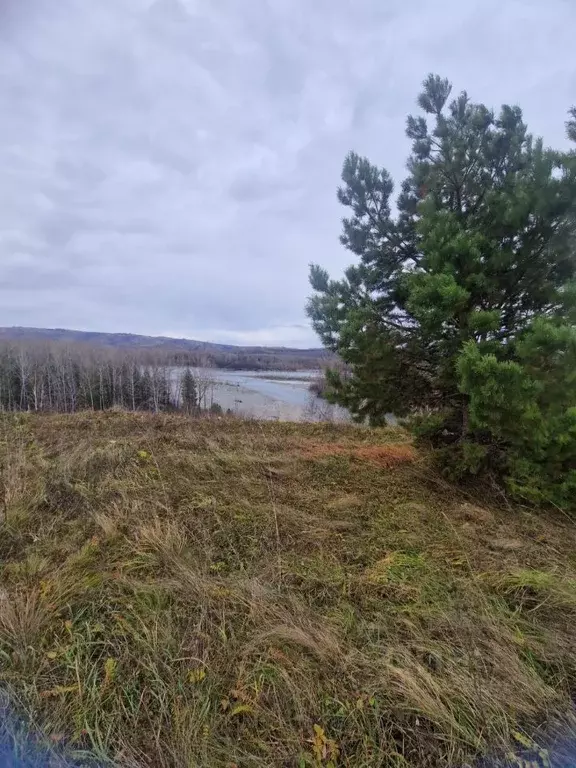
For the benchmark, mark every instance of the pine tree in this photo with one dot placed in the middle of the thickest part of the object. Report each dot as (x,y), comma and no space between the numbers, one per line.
(188,392)
(462,305)
(571,124)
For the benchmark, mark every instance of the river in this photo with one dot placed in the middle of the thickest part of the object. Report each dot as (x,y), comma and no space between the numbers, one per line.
(278,395)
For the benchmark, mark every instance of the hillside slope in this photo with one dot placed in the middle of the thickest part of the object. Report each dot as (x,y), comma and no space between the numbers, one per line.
(227,593)
(134,341)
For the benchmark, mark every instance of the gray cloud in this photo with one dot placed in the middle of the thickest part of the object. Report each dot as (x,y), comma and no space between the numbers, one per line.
(170,167)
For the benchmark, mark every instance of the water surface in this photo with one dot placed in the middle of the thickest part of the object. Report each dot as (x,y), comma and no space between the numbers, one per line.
(281,395)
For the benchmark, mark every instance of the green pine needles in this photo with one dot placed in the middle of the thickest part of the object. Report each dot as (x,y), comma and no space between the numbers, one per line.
(459,314)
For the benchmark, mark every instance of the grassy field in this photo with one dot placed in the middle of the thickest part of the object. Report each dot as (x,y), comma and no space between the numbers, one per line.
(226,593)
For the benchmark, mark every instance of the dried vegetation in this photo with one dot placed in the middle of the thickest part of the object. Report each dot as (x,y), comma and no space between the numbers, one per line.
(178,592)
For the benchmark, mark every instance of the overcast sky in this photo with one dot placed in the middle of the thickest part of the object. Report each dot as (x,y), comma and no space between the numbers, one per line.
(170,167)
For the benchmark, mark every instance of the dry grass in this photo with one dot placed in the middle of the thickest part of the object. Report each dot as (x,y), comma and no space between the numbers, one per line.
(226,593)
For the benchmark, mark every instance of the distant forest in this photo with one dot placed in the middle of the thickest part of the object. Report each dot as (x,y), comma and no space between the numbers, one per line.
(68,378)
(179,352)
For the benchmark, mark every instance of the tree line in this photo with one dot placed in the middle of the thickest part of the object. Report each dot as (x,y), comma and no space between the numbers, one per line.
(261,360)
(179,352)
(69,378)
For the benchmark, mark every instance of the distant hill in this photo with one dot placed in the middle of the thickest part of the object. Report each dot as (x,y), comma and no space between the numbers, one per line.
(183,350)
